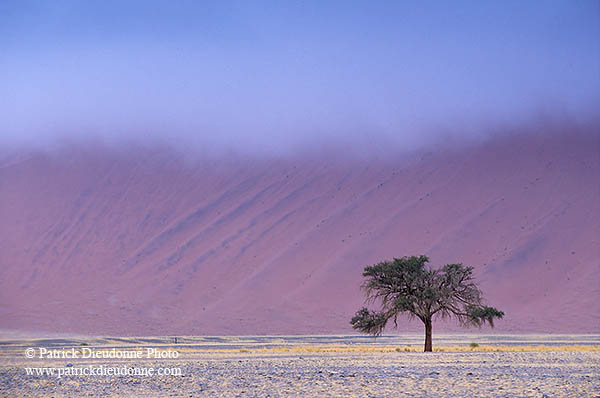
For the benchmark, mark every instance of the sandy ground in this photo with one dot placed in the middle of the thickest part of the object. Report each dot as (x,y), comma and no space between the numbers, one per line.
(219,368)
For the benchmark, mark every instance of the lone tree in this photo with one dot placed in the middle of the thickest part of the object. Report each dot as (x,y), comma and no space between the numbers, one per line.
(406,285)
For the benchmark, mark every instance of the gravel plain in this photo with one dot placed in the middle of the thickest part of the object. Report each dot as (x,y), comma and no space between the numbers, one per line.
(227,372)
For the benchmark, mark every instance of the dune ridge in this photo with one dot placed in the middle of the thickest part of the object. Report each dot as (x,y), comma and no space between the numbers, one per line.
(145,241)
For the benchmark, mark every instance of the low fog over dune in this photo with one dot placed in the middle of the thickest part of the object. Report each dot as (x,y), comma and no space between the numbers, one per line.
(145,240)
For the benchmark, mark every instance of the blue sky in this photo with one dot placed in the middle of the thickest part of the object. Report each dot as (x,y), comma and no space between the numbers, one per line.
(259,74)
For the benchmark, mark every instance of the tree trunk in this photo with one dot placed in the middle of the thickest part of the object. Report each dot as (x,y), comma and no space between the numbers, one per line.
(428,346)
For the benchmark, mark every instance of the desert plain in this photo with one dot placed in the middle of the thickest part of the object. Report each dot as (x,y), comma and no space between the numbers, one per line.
(313,366)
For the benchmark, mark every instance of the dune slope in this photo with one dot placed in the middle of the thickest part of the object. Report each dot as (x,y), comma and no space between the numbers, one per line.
(145,241)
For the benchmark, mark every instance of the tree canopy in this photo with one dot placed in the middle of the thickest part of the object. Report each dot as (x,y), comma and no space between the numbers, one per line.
(406,286)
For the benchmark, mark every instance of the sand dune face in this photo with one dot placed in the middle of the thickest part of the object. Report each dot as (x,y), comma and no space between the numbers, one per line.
(149,242)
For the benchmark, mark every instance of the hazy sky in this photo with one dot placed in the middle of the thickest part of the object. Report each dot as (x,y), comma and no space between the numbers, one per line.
(259,74)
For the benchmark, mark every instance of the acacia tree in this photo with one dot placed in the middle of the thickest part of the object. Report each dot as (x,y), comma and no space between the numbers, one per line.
(406,286)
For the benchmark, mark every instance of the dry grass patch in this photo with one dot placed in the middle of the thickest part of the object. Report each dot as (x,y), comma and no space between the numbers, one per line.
(308,349)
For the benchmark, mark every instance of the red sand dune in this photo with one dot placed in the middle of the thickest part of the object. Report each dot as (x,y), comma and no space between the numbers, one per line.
(147,242)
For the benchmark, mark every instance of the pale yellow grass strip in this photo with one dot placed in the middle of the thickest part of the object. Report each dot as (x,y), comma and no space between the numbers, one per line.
(307,349)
